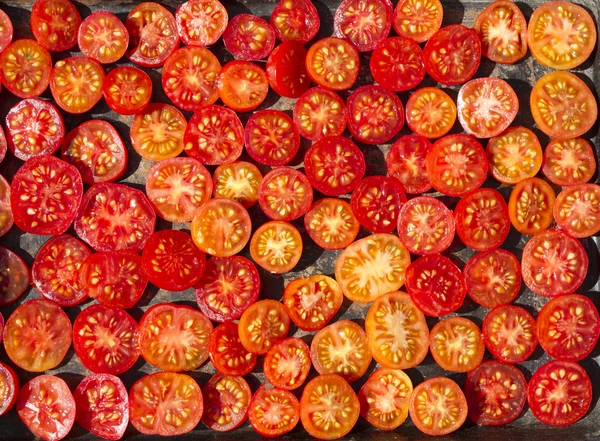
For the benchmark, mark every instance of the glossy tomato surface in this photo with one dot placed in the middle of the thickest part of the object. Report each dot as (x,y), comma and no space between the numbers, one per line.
(55,23)
(103,37)
(14,276)
(418,20)
(239,181)
(285,194)
(510,334)
(333,63)
(569,161)
(273,412)
(127,90)
(242,85)
(530,206)
(263,325)
(248,37)
(320,112)
(201,22)
(363,22)
(286,69)
(271,137)
(406,161)
(577,210)
(9,388)
(514,155)
(397,63)
(6,215)
(227,401)
(287,363)
(157,132)
(295,20)
(430,112)
(376,202)
(227,354)
(6,31)
(21,60)
(76,84)
(456,344)
(331,224)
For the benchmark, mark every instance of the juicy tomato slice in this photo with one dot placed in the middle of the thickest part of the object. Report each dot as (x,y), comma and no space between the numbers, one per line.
(102,406)
(55,270)
(273,412)
(6,31)
(189,77)
(157,132)
(14,276)
(45,195)
(577,210)
(425,225)
(47,407)
(295,20)
(287,364)
(37,335)
(3,143)
(384,398)
(568,327)
(397,63)
(452,55)
(530,206)
(333,63)
(438,406)
(227,288)
(456,164)
(276,246)
(248,37)
(172,261)
(493,278)
(363,22)
(430,112)
(34,128)
(271,137)
(406,162)
(165,404)
(127,90)
(559,393)
(456,344)
(496,393)
(329,395)
(562,105)
(375,115)
(481,219)
(9,387)
(417,19)
(96,150)
(227,354)
(25,68)
(262,325)
(286,69)
(239,181)
(76,84)
(486,107)
(561,35)
(436,285)
(103,37)
(509,333)
(285,194)
(221,227)
(514,155)
(569,161)
(397,331)
(554,263)
(376,202)
(319,113)
(106,339)
(201,22)
(334,165)
(371,267)
(331,224)
(115,217)
(242,85)
(54,24)
(153,34)
(227,402)
(6,215)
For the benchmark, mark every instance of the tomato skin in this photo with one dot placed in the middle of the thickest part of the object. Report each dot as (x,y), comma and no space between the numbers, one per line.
(509,333)
(329,56)
(6,31)
(514,155)
(417,20)
(569,162)
(286,69)
(577,210)
(287,364)
(227,354)
(248,37)
(267,320)
(406,162)
(456,344)
(320,112)
(397,64)
(103,37)
(364,24)
(265,403)
(331,236)
(16,59)
(9,387)
(127,90)
(192,17)
(285,194)
(223,393)
(64,80)
(271,137)
(15,276)
(54,24)
(295,20)
(157,132)
(430,112)
(242,85)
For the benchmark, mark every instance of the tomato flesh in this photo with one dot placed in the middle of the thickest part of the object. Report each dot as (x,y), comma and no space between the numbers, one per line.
(157,132)
(287,364)
(430,112)
(285,194)
(273,412)
(76,84)
(9,388)
(286,69)
(6,215)
(397,64)
(248,37)
(103,37)
(242,85)
(14,276)
(54,24)
(320,112)
(331,224)
(227,401)
(201,22)
(25,68)
(363,23)
(295,20)
(6,31)
(577,210)
(509,333)
(514,155)
(376,202)
(127,90)
(530,206)
(239,181)
(333,63)
(262,325)
(406,162)
(418,19)
(569,161)
(271,138)
(276,246)
(456,344)
(227,354)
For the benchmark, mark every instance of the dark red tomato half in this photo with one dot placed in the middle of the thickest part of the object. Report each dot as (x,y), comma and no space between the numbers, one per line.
(127,90)
(397,64)
(376,202)
(9,388)
(509,333)
(285,194)
(103,37)
(55,23)
(320,112)
(295,20)
(271,137)
(273,412)
(248,37)
(25,68)
(227,401)
(286,69)
(6,31)
(363,22)
(227,354)
(201,22)
(14,276)
(406,162)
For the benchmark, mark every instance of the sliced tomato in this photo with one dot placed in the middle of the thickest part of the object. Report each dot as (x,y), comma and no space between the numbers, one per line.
(273,412)
(127,90)
(262,325)
(285,194)
(286,69)
(242,85)
(397,331)
(248,37)
(456,344)
(406,162)
(331,224)
(76,84)
(103,37)
(54,24)
(106,339)
(530,206)
(371,267)
(320,112)
(9,388)
(397,63)
(295,20)
(569,161)
(430,112)
(363,23)
(287,364)
(417,19)
(157,132)
(97,150)
(514,155)
(227,401)
(6,31)
(239,181)
(25,68)
(577,210)
(376,203)
(276,246)
(509,333)
(3,143)
(333,63)
(14,276)
(271,137)
(6,215)
(201,22)
(37,335)
(227,354)
(115,217)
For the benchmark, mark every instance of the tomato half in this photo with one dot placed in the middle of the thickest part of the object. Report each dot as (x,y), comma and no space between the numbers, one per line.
(577,210)
(333,63)
(127,90)
(417,19)
(271,137)
(227,401)
(397,63)
(25,68)
(430,112)
(54,24)
(103,37)
(456,344)
(6,31)
(157,132)
(273,412)
(14,276)
(530,206)
(295,20)
(262,325)
(286,69)
(371,267)
(242,85)
(569,161)
(37,335)
(331,224)
(76,84)
(285,194)
(201,22)
(514,155)
(248,37)
(276,246)
(6,215)
(9,388)
(509,333)
(363,22)
(3,143)
(320,112)
(227,354)
(406,162)
(239,181)
(376,202)
(287,364)
(106,339)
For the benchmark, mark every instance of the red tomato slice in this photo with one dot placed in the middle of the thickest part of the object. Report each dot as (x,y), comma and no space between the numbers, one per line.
(452,55)
(25,68)
(262,325)
(106,339)
(76,84)
(430,112)
(530,206)
(577,210)
(227,354)
(6,215)
(271,137)
(55,270)
(157,132)
(496,393)
(227,401)
(172,261)
(319,113)
(456,344)
(3,143)
(153,34)
(376,202)
(569,161)
(514,155)
(97,150)
(6,31)
(417,19)
(127,90)
(54,24)
(375,115)
(363,22)
(436,285)
(296,20)
(406,162)
(248,37)
(14,276)
(273,412)
(331,224)
(201,22)
(165,404)
(102,406)
(242,85)
(103,37)
(333,63)
(46,406)
(287,364)
(9,388)
(509,333)
(285,194)
(397,63)
(37,335)
(425,225)
(34,128)
(239,181)
(276,246)
(286,69)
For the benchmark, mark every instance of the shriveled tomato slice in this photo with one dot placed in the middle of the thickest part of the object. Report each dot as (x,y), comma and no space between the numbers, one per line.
(397,331)
(333,63)
(25,68)
(248,37)
(106,339)
(242,85)
(514,155)
(115,217)
(166,404)
(285,194)
(6,31)
(201,22)
(227,401)
(456,344)
(430,112)
(273,412)
(97,150)
(286,69)
(102,406)
(376,202)
(530,206)
(127,90)
(319,113)
(271,137)
(103,37)
(363,23)
(37,335)
(295,20)
(417,19)
(262,325)
(569,161)
(9,388)
(406,162)
(14,276)
(397,63)
(577,210)
(276,246)
(54,24)
(331,224)
(172,261)
(239,181)
(153,34)
(452,54)
(157,132)
(178,187)
(227,354)
(287,364)
(509,333)
(6,215)
(76,84)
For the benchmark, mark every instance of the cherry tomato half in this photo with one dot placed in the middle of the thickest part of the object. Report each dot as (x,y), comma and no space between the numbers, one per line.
(76,84)
(14,276)
(376,202)
(530,206)
(248,37)
(227,401)
(6,215)
(287,363)
(331,224)
(569,161)
(397,63)
(418,19)
(320,112)
(295,20)
(127,90)
(201,22)
(25,68)
(430,112)
(363,22)
(242,85)
(406,162)
(239,181)
(577,210)
(9,387)
(285,194)
(509,333)
(333,63)
(286,69)
(273,412)
(262,325)
(227,354)
(276,246)
(103,37)
(54,24)
(514,155)
(157,132)
(456,344)
(271,137)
